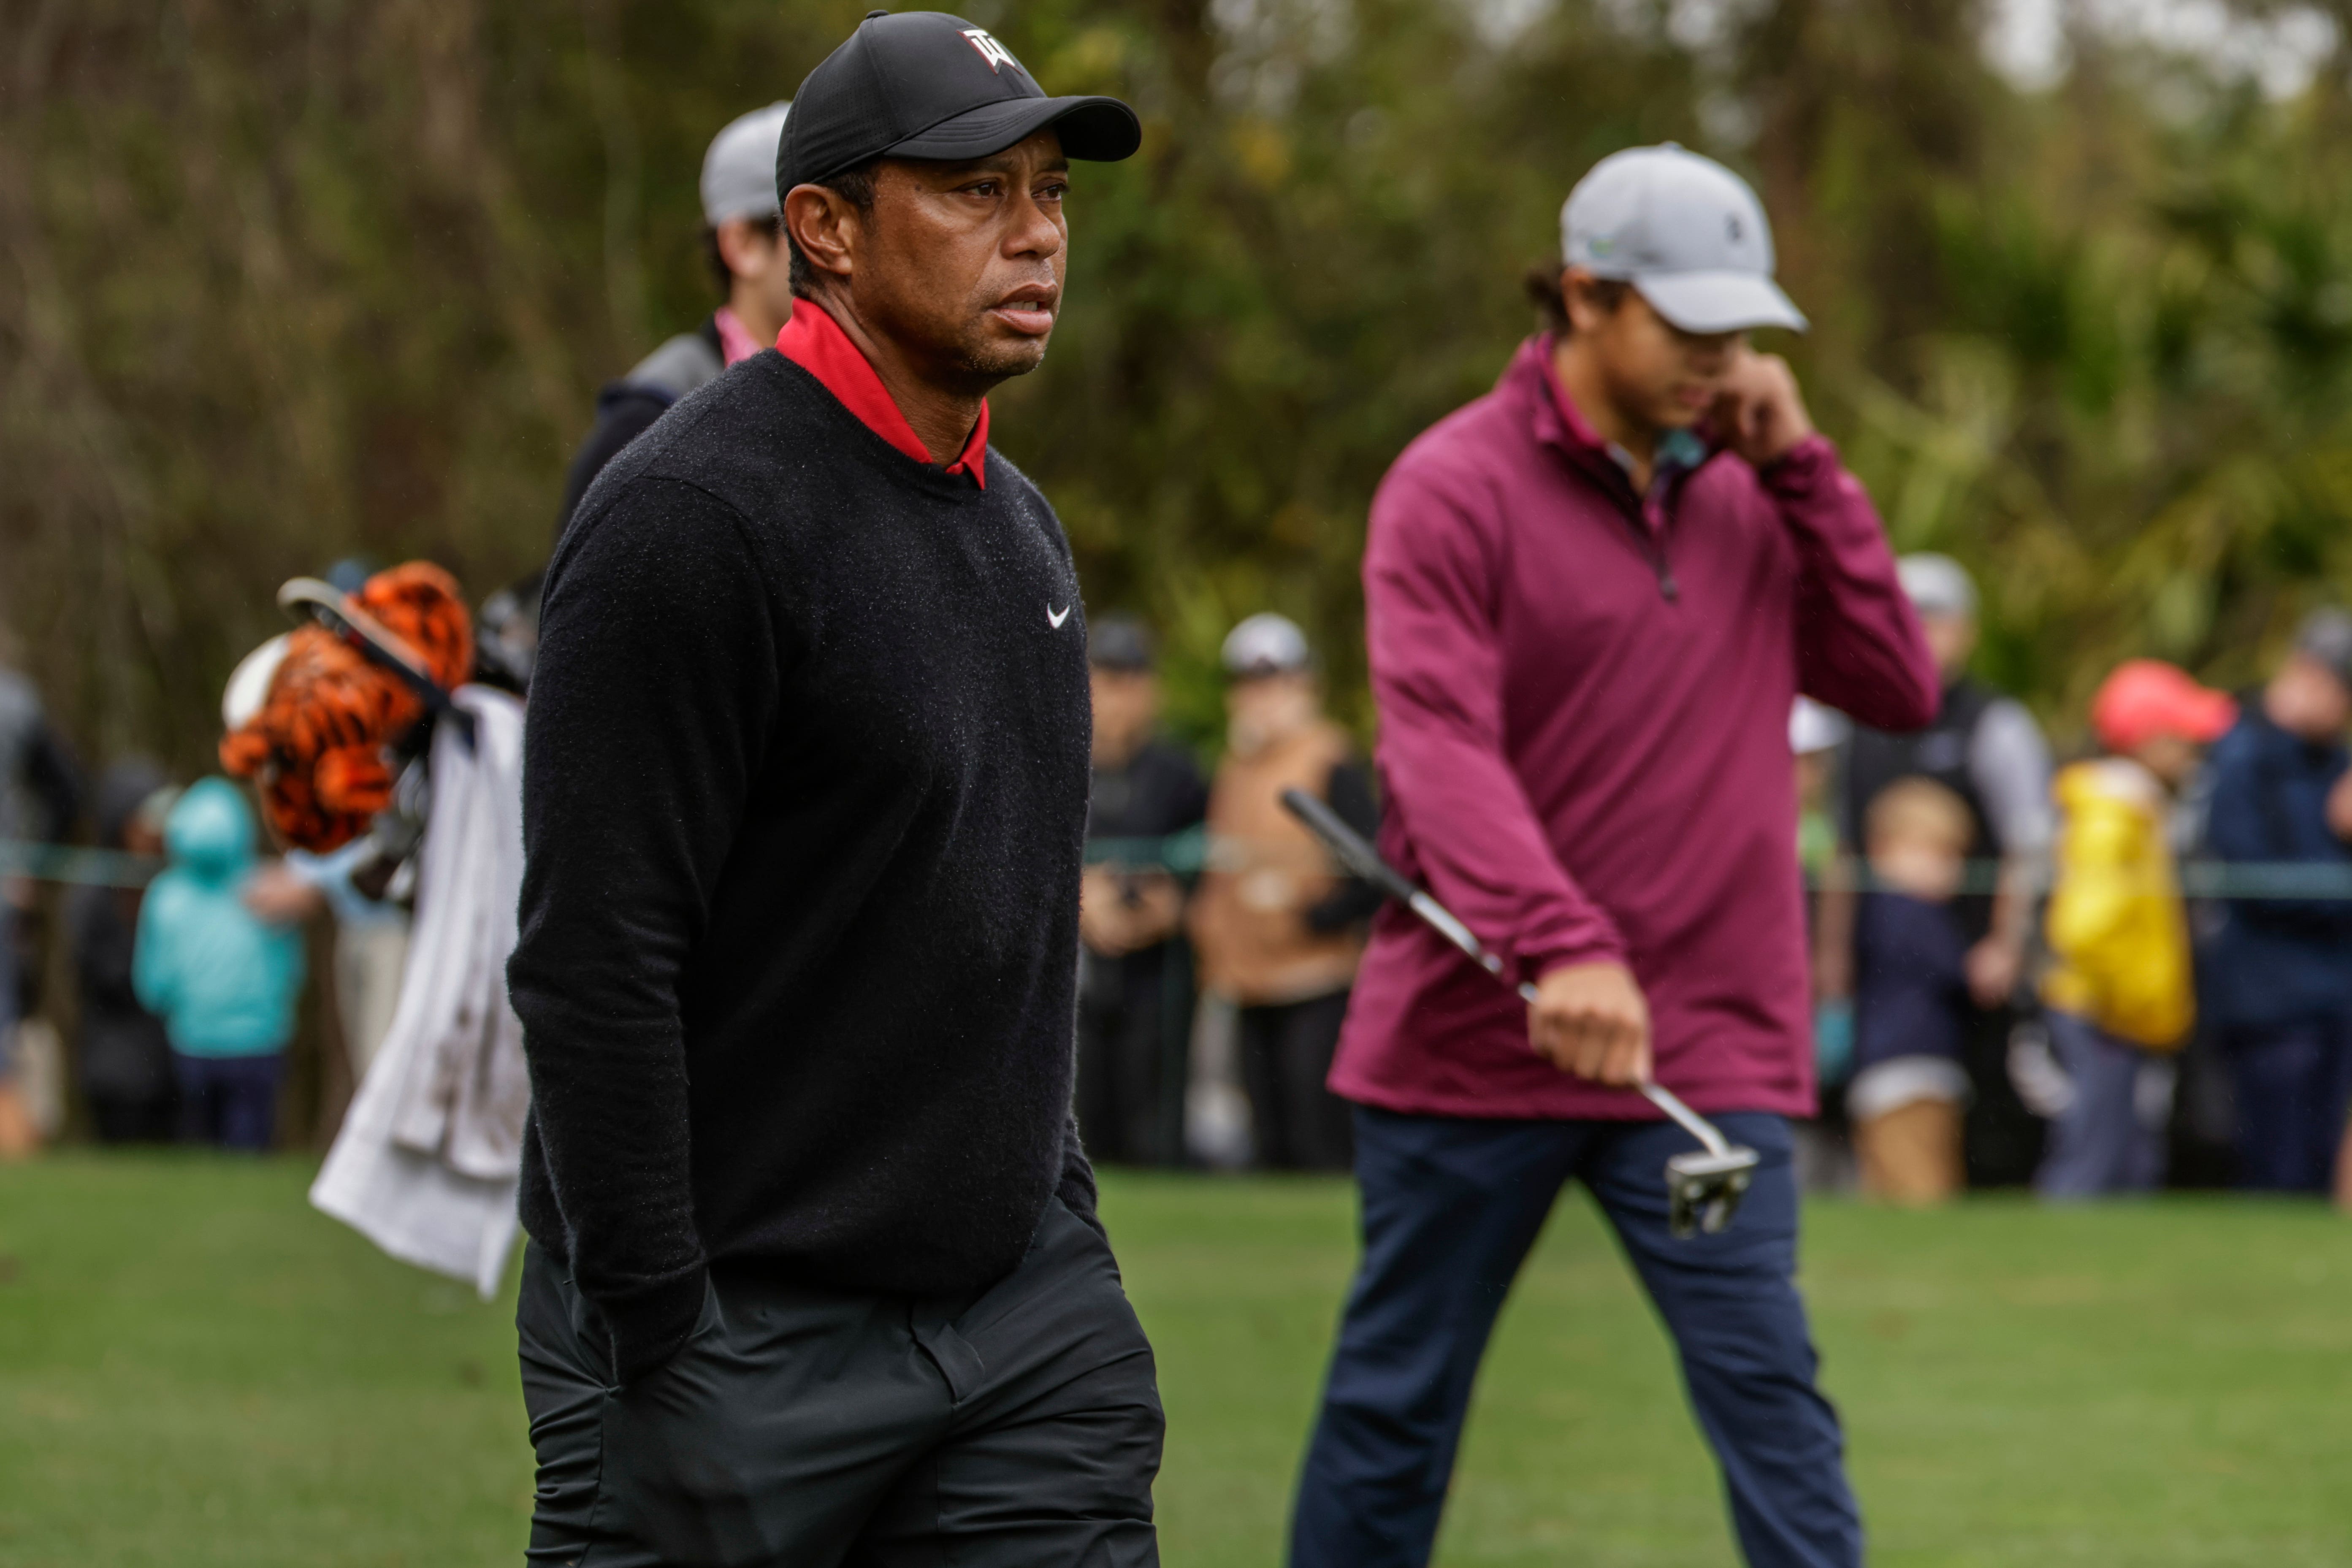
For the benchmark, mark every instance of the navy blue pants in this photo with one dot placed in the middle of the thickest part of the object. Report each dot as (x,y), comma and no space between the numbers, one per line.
(2294,1088)
(1450,1208)
(2110,1137)
(231,1101)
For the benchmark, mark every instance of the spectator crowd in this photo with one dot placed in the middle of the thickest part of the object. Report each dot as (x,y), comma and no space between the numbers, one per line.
(2137,967)
(2129,971)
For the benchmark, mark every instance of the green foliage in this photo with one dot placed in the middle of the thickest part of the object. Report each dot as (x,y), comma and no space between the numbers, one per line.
(279,284)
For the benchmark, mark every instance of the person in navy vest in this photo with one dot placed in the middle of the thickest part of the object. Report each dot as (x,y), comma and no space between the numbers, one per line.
(743,243)
(2278,971)
(1987,749)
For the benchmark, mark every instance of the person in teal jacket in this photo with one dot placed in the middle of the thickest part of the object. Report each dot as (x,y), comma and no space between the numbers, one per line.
(222,980)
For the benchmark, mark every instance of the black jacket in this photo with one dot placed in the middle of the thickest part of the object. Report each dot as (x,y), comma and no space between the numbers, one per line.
(805,801)
(2271,963)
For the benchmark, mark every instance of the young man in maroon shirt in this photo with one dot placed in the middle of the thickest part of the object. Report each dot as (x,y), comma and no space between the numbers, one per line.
(1591,596)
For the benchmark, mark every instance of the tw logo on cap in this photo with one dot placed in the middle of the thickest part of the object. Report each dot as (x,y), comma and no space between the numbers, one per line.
(994,53)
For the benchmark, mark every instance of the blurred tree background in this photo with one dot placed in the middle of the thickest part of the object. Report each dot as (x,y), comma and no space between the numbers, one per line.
(284,280)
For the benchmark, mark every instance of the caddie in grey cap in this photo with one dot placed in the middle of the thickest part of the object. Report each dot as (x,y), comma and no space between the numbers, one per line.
(748,267)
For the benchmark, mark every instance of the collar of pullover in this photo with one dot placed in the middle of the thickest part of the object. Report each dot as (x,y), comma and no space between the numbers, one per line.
(735,340)
(1560,423)
(814,340)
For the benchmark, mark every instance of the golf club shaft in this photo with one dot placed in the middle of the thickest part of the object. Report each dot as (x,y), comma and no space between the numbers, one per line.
(1363,860)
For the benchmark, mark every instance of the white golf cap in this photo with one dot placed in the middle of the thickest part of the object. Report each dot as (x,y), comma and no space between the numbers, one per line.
(739,172)
(1937,585)
(1682,229)
(1816,726)
(1265,644)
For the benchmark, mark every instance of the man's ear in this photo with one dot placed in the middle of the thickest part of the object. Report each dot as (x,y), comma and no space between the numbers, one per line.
(1584,315)
(826,226)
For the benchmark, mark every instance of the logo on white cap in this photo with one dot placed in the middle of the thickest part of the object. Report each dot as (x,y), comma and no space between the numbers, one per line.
(994,53)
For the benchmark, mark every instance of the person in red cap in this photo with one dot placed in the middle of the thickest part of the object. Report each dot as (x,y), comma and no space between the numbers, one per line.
(2120,995)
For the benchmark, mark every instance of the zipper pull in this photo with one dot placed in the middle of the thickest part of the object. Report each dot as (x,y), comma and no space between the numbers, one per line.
(1668,587)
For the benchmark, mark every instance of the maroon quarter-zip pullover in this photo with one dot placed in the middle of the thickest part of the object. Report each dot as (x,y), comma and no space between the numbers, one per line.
(1584,699)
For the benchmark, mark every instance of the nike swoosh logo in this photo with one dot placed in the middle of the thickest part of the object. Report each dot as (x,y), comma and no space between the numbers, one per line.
(1057,620)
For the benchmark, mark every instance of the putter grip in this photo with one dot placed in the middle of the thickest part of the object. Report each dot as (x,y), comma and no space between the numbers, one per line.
(1347,846)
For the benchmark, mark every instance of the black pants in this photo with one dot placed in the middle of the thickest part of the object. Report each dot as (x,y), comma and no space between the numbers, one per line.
(133,1119)
(1131,1056)
(1286,1055)
(805,1428)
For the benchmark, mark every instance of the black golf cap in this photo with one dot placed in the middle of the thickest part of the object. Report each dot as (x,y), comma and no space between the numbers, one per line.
(923,84)
(1121,644)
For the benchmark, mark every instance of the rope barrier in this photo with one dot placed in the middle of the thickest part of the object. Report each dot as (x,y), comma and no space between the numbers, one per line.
(86,868)
(1189,853)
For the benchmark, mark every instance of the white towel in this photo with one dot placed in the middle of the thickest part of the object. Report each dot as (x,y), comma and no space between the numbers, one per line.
(430,1152)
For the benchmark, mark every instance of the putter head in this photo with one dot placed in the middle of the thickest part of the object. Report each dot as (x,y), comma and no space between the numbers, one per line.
(1703,1190)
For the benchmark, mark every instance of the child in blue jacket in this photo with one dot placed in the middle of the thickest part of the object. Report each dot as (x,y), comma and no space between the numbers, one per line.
(222,980)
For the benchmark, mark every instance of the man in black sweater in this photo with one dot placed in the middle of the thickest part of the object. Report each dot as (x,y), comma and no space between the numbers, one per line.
(815,1277)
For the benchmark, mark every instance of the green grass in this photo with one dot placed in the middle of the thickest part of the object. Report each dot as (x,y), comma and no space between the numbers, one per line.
(195,1369)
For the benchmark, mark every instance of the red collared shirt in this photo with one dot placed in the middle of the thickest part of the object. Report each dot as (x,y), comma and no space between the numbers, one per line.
(814,340)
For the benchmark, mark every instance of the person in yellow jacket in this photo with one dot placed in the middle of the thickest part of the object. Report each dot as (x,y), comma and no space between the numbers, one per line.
(2120,992)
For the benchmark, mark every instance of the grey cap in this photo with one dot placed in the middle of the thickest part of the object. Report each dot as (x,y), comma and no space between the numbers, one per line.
(1266,645)
(2326,635)
(1682,229)
(1937,585)
(739,172)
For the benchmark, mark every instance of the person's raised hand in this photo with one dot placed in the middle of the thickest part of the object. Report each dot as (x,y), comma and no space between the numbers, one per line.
(2339,808)
(1104,922)
(1759,413)
(279,897)
(1592,1020)
(1992,967)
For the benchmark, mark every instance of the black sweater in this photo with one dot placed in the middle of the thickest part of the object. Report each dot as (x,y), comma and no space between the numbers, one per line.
(804,800)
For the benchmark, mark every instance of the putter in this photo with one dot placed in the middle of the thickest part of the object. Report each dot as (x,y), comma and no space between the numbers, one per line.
(1703,1188)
